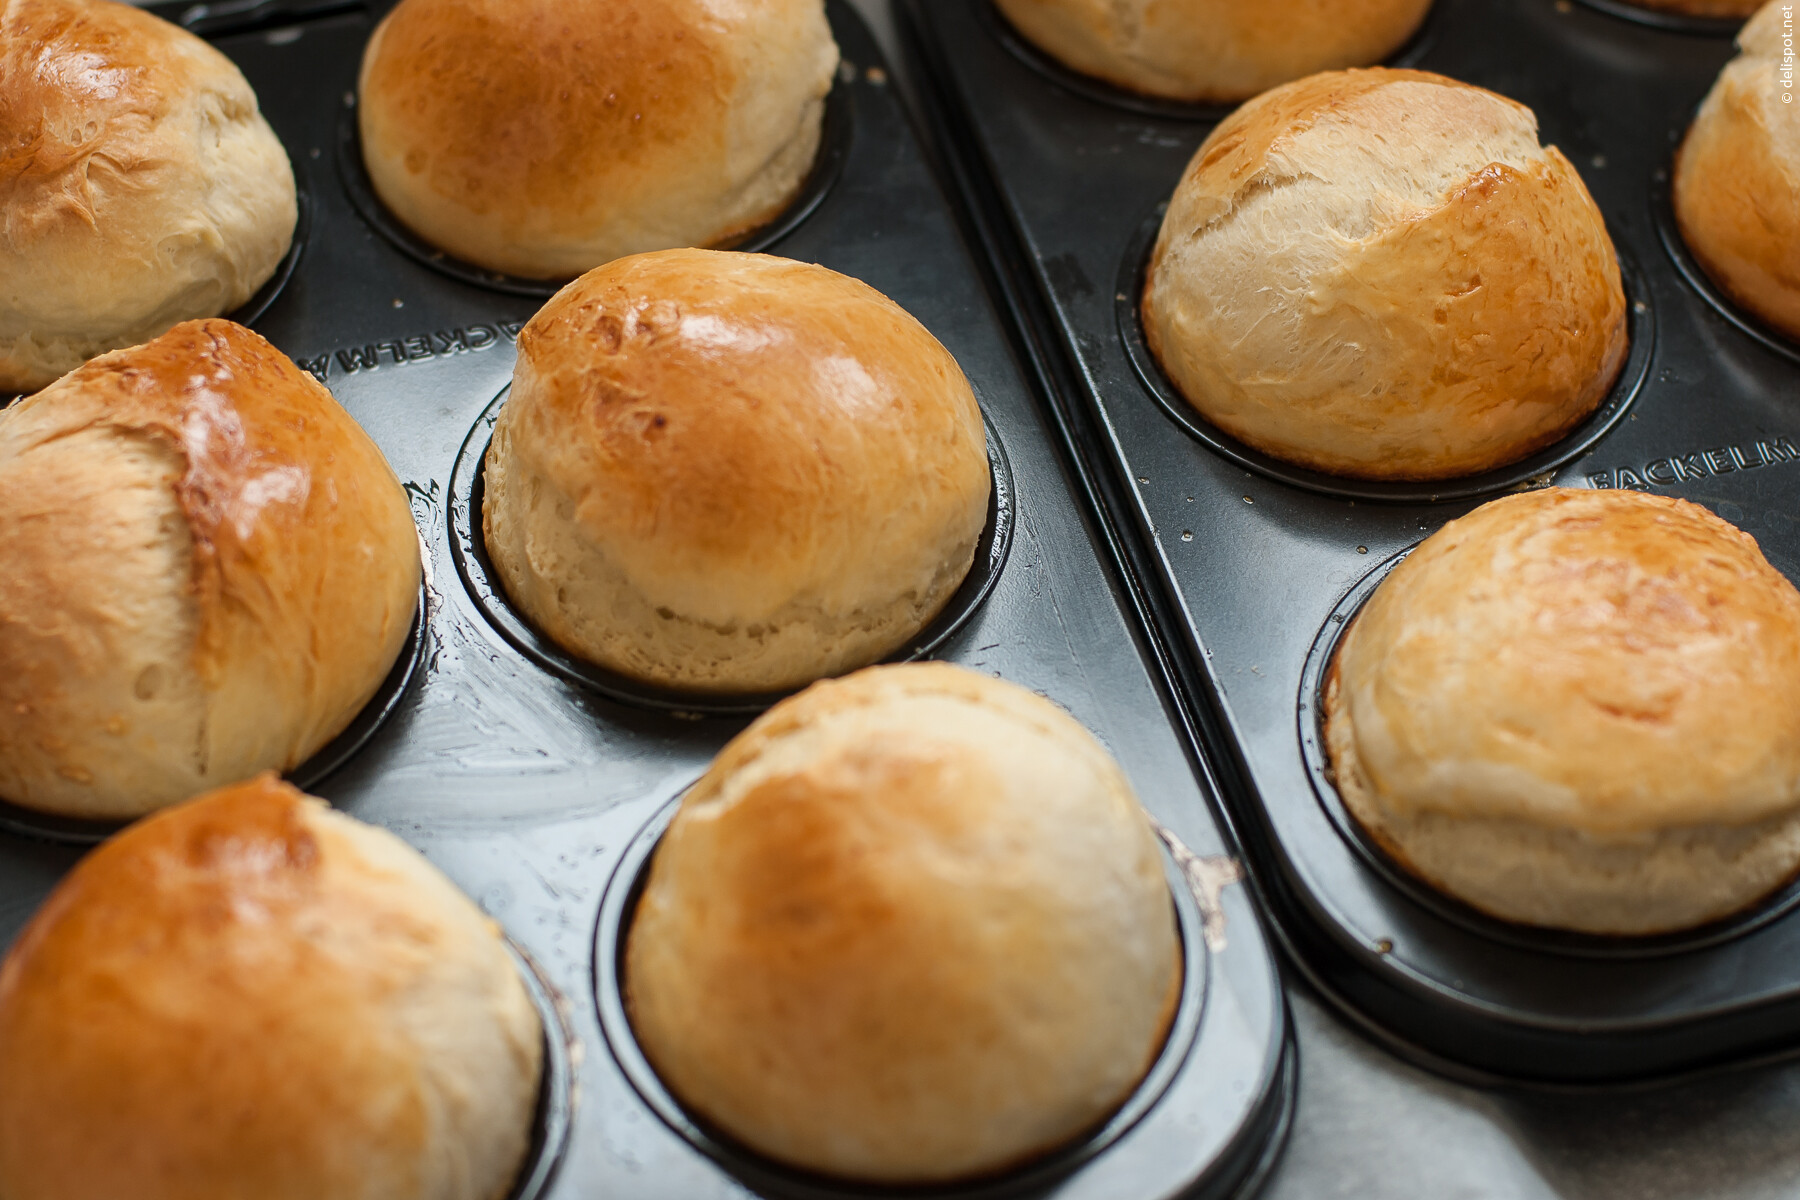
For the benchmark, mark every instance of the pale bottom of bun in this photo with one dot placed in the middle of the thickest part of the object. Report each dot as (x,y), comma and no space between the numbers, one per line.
(1754,282)
(570,590)
(769,193)
(1371,452)
(1534,874)
(1757,290)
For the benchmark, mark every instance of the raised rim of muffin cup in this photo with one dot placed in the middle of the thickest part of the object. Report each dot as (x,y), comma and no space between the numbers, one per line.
(22,821)
(1533,468)
(769,1177)
(263,299)
(1668,22)
(1668,232)
(468,546)
(555,1110)
(1410,53)
(835,134)
(1310,709)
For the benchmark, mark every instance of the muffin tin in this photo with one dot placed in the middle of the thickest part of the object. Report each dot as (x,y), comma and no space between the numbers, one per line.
(1249,568)
(529,788)
(469,549)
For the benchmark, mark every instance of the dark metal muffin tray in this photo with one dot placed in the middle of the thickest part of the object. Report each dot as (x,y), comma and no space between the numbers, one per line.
(1249,568)
(529,788)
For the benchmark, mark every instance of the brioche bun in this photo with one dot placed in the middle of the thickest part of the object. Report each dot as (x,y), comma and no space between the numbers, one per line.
(544,137)
(1578,709)
(139,185)
(1737,180)
(209,569)
(731,472)
(911,926)
(1381,274)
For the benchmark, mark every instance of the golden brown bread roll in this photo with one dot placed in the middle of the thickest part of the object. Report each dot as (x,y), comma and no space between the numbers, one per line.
(1380,274)
(732,473)
(910,926)
(1579,709)
(1213,50)
(1737,179)
(209,568)
(139,185)
(545,137)
(252,995)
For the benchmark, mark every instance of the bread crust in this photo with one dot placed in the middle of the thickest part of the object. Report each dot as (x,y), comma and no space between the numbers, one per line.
(139,184)
(1213,50)
(227,612)
(732,472)
(1736,188)
(911,926)
(545,137)
(1578,709)
(251,995)
(1380,274)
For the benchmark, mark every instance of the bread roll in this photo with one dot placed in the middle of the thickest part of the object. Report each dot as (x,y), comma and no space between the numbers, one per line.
(545,137)
(1213,50)
(139,185)
(253,996)
(1737,178)
(209,568)
(1380,274)
(910,926)
(1579,709)
(732,473)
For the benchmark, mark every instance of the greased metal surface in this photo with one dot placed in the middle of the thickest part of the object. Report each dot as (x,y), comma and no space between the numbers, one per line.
(1247,569)
(528,790)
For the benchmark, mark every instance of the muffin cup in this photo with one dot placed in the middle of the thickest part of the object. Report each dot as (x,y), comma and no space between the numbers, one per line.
(1089,88)
(1670,22)
(770,1178)
(1668,231)
(1311,712)
(1640,325)
(556,1088)
(828,164)
(469,547)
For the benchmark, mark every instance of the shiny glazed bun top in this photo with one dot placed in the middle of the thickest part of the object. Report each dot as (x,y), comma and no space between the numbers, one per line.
(545,137)
(1737,179)
(139,185)
(1213,50)
(1381,274)
(732,472)
(1579,708)
(208,569)
(910,926)
(253,996)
